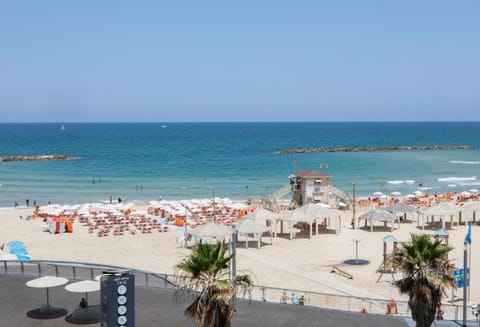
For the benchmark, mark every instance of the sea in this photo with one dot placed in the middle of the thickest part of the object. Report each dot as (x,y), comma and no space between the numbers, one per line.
(140,162)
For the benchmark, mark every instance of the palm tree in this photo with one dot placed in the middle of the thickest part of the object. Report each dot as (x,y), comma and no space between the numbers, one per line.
(427,272)
(206,270)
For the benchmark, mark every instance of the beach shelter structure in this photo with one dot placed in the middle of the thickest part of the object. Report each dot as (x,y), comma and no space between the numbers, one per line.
(401,208)
(443,209)
(210,230)
(311,214)
(268,216)
(249,226)
(471,207)
(378,214)
(263,214)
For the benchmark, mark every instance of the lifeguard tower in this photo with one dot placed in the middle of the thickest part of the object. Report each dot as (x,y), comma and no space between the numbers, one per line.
(309,186)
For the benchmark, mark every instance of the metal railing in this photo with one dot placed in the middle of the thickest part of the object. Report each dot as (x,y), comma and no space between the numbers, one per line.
(82,271)
(347,302)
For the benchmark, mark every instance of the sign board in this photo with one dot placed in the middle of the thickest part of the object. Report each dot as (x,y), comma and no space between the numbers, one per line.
(117,300)
(458,277)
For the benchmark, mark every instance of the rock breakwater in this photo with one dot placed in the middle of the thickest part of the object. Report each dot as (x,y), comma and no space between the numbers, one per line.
(377,149)
(41,157)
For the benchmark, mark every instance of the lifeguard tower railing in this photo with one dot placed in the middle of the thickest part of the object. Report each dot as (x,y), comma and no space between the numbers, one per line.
(341,195)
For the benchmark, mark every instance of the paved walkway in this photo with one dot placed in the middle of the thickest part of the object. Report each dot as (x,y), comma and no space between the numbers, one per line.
(163,307)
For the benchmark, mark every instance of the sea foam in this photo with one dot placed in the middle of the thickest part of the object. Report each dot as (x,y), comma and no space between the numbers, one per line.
(453,179)
(395,182)
(465,162)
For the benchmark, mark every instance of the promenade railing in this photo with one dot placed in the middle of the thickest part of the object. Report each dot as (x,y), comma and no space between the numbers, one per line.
(86,271)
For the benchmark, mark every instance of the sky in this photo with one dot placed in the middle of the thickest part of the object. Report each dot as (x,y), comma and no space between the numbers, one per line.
(248,60)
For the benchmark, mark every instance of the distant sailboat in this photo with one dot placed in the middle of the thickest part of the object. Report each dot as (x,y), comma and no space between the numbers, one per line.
(62,128)
(164,126)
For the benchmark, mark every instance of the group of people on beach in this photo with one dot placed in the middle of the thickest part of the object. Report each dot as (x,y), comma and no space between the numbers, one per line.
(293,299)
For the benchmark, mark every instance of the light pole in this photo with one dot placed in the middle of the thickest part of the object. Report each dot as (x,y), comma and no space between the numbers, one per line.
(234,263)
(353,206)
(213,203)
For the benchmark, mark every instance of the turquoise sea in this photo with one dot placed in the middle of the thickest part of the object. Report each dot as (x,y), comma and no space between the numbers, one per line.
(145,161)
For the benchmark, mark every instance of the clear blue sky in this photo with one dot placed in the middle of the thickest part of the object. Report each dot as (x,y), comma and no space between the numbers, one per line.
(248,60)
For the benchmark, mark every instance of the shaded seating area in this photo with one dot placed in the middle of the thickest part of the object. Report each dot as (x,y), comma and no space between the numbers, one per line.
(47,311)
(443,211)
(250,227)
(379,215)
(85,313)
(314,216)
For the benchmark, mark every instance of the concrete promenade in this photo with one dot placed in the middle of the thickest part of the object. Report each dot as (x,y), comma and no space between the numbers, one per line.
(164,307)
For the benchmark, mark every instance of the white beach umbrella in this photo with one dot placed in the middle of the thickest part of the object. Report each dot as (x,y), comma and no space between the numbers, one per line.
(396,193)
(378,193)
(474,190)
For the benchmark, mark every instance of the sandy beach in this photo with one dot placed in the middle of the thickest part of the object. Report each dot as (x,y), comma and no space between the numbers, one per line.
(301,263)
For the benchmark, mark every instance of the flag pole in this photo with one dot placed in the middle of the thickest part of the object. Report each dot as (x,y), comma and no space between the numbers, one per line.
(468,240)
(465,284)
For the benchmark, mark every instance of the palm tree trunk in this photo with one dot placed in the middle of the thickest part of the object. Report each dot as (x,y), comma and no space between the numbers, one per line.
(423,313)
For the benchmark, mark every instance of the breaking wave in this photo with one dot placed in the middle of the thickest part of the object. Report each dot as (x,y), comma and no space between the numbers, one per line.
(465,162)
(454,179)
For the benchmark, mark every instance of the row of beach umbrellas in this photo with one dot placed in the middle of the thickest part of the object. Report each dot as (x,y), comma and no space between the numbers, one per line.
(311,213)
(443,209)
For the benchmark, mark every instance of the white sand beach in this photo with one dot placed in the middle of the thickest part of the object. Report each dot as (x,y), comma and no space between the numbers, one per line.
(301,263)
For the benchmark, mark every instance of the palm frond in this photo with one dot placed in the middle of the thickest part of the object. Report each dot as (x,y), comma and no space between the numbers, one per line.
(427,272)
(205,270)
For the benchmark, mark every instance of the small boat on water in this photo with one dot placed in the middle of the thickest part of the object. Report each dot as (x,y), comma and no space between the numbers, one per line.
(62,128)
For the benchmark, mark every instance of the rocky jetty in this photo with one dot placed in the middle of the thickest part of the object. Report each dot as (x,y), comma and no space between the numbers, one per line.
(41,157)
(377,149)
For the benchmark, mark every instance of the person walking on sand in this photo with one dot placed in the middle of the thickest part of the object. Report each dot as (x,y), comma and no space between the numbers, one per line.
(294,299)
(284,298)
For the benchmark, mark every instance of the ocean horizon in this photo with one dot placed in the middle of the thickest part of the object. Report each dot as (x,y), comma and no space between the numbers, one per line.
(145,161)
